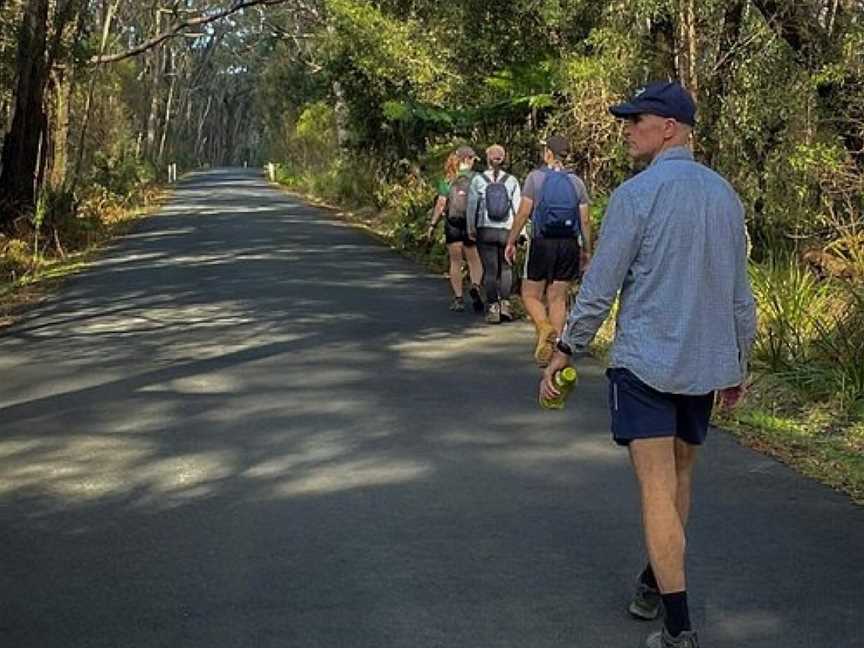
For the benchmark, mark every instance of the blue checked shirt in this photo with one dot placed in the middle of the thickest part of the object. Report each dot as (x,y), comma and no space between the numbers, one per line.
(674,242)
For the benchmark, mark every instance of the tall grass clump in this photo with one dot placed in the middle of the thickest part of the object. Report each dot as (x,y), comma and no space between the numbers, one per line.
(811,331)
(787,296)
(838,351)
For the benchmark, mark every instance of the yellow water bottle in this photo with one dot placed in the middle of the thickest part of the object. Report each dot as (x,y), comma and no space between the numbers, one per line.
(565,380)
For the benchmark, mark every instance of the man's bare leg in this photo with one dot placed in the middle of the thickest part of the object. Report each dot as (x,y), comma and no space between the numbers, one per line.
(654,461)
(664,468)
(685,460)
(475,264)
(454,250)
(557,296)
(532,298)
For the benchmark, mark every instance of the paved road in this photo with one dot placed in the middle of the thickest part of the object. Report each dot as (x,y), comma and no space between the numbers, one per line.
(250,425)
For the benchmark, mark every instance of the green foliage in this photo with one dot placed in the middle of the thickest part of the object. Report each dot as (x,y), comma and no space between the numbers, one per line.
(120,176)
(387,53)
(811,332)
(838,351)
(16,260)
(787,295)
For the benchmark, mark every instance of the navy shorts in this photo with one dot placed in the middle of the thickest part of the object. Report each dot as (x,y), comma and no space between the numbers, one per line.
(641,412)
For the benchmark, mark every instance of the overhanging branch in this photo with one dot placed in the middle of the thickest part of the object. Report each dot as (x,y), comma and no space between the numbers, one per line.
(179,27)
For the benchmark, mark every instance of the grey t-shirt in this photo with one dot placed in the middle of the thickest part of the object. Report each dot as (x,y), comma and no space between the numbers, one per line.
(534,183)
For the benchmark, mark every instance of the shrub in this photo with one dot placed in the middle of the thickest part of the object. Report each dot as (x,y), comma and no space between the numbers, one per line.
(811,331)
(787,295)
(16,259)
(838,351)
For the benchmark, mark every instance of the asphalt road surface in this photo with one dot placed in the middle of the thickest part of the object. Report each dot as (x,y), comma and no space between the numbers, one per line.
(250,424)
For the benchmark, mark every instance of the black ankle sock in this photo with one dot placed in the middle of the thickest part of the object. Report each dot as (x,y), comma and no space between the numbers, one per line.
(647,577)
(677,612)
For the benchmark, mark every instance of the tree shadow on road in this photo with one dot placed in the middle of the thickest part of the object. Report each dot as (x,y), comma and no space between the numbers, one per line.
(267,430)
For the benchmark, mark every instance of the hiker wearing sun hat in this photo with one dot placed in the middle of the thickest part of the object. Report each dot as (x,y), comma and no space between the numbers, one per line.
(492,203)
(674,243)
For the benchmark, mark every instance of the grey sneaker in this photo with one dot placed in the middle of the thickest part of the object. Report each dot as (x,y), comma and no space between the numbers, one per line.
(647,604)
(506,311)
(662,639)
(476,300)
(493,315)
(457,305)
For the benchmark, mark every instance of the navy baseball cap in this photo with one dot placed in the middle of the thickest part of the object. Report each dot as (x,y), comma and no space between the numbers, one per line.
(661,98)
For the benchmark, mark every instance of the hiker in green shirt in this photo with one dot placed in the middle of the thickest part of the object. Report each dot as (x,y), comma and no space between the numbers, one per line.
(452,206)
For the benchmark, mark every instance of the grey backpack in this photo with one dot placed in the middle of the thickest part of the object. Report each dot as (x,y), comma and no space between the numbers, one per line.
(457,200)
(498,203)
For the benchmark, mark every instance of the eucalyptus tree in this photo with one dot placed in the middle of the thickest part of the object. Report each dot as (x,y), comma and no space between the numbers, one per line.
(64,35)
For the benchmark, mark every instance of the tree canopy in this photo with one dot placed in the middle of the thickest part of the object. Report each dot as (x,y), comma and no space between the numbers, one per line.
(93,86)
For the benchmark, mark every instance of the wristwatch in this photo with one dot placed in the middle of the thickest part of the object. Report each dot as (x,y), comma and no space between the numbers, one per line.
(563,347)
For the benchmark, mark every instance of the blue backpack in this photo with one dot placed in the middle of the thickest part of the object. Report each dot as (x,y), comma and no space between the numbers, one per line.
(557,212)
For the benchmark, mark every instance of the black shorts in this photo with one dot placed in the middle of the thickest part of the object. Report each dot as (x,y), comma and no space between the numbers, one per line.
(639,411)
(457,233)
(552,259)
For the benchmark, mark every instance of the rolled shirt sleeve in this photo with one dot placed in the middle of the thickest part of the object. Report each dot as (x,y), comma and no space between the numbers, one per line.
(619,243)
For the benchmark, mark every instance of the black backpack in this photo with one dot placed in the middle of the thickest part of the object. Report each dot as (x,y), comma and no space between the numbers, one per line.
(457,200)
(498,203)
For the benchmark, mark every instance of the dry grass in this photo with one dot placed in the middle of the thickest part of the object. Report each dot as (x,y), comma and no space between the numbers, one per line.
(27,278)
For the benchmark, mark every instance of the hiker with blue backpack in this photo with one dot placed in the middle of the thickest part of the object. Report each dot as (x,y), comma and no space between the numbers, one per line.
(556,201)
(493,199)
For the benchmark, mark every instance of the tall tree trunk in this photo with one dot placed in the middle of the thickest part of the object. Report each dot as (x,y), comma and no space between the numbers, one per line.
(718,80)
(62,84)
(341,110)
(200,141)
(155,80)
(167,125)
(21,147)
(108,11)
(686,46)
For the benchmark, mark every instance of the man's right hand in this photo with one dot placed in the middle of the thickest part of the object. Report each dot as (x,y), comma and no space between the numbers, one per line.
(731,396)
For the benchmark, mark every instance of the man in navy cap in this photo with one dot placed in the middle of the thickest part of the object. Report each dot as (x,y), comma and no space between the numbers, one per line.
(674,243)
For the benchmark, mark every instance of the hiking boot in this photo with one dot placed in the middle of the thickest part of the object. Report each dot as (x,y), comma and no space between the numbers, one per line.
(647,604)
(662,639)
(506,311)
(457,305)
(493,315)
(545,344)
(476,300)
